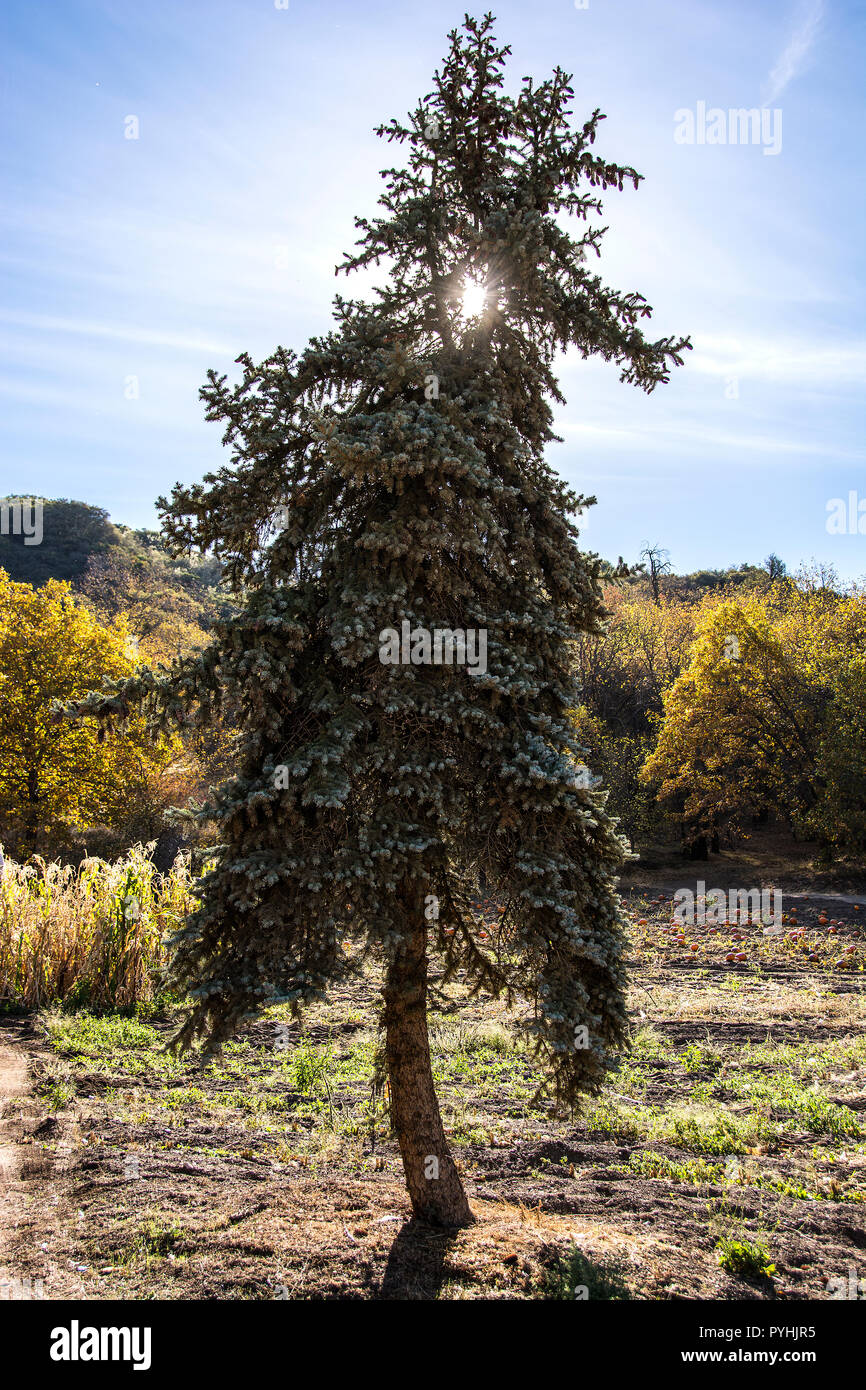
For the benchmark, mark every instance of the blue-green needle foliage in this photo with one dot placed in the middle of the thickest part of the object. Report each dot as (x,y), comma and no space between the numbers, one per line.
(394,470)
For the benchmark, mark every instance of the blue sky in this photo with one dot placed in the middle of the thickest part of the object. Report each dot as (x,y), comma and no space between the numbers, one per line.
(135,265)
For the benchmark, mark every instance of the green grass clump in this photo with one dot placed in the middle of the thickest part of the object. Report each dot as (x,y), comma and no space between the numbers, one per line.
(720,1137)
(58,1094)
(154,1239)
(576,1276)
(783,1093)
(309,1067)
(744,1259)
(608,1120)
(654,1165)
(697,1058)
(90,1035)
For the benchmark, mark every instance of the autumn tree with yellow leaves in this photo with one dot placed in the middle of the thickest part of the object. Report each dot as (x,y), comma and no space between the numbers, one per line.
(57,777)
(770,715)
(623,671)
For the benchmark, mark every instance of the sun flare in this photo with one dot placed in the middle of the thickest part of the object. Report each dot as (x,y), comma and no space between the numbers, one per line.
(474,299)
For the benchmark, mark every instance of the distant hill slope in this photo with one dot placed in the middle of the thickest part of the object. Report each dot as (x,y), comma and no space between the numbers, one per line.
(72,533)
(118,570)
(81,544)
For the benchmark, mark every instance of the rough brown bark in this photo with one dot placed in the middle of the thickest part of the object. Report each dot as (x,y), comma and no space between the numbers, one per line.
(434,1185)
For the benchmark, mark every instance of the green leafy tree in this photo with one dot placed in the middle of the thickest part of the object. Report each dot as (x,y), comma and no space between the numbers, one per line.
(393,473)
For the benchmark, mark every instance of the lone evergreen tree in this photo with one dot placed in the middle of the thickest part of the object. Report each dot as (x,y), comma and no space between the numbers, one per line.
(388,484)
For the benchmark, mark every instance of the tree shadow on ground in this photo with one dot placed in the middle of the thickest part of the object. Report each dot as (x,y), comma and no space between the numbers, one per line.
(416,1261)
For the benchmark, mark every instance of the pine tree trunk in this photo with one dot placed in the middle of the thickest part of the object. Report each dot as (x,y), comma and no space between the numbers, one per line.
(434,1185)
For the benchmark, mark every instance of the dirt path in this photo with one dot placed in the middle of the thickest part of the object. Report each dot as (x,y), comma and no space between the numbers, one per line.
(828,897)
(641,889)
(14,1083)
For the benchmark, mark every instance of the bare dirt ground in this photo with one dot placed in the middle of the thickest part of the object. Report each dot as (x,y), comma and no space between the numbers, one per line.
(764,858)
(13,1086)
(739,1115)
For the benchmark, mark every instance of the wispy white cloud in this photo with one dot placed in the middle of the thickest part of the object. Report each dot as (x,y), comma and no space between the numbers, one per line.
(671,435)
(796,50)
(120,332)
(779,359)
